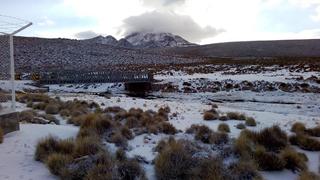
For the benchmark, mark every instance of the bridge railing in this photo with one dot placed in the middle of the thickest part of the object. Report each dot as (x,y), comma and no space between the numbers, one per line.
(74,77)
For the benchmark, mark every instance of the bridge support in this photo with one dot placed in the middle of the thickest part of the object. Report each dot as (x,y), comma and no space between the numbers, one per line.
(138,88)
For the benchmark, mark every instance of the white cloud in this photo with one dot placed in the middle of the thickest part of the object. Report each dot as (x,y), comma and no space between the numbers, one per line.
(45,21)
(158,4)
(86,34)
(315,4)
(170,22)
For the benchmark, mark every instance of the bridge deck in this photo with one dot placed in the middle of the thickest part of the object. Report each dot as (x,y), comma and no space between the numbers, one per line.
(73,77)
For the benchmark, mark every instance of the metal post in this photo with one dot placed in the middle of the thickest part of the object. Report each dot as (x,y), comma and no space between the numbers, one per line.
(13,88)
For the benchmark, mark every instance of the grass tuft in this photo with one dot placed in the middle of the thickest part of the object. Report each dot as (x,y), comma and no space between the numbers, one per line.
(210,115)
(250,121)
(1,135)
(306,175)
(58,162)
(52,108)
(268,161)
(293,160)
(298,127)
(50,145)
(305,142)
(223,127)
(89,145)
(236,116)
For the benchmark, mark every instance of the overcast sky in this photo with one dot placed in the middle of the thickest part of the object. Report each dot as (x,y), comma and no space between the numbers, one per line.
(200,21)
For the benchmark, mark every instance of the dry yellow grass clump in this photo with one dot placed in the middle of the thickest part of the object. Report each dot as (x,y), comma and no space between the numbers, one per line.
(1,135)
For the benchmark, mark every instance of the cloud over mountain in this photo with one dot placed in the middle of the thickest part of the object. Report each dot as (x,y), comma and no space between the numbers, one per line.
(157,22)
(85,34)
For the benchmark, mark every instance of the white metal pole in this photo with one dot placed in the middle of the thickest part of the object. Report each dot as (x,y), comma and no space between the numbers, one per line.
(13,88)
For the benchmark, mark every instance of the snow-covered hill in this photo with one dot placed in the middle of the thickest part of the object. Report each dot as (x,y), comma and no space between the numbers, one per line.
(157,40)
(109,40)
(143,40)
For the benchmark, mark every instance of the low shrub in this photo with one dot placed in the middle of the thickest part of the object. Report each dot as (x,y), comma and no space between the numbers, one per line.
(27,116)
(223,118)
(85,132)
(244,170)
(100,123)
(64,112)
(206,135)
(39,106)
(293,160)
(305,142)
(121,155)
(33,98)
(1,135)
(164,111)
(119,140)
(178,160)
(126,132)
(223,127)
(29,104)
(210,115)
(250,121)
(244,145)
(100,172)
(167,128)
(132,122)
(173,162)
(211,168)
(272,138)
(219,138)
(314,131)
(130,169)
(306,175)
(298,127)
(202,133)
(58,162)
(50,145)
(240,126)
(268,161)
(89,145)
(236,116)
(52,108)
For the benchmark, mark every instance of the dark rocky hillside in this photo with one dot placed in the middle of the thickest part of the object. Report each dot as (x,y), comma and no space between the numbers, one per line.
(34,54)
(280,48)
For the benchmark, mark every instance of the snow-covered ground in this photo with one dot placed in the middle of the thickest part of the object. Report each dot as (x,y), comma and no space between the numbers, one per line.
(189,111)
(268,108)
(283,75)
(17,151)
(19,85)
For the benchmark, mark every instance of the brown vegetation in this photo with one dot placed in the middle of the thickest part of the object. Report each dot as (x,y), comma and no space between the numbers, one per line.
(1,135)
(223,127)
(305,142)
(236,116)
(250,121)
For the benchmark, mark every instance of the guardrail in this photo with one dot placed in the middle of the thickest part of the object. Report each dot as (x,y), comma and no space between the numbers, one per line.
(77,77)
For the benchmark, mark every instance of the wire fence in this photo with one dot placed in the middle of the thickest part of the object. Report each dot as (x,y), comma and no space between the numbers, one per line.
(5,88)
(9,26)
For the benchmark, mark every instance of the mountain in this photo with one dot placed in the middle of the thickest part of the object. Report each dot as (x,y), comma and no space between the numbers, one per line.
(124,43)
(277,48)
(41,54)
(157,40)
(109,40)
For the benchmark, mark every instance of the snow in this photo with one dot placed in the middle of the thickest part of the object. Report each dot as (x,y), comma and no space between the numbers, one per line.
(283,75)
(17,151)
(190,107)
(268,108)
(19,85)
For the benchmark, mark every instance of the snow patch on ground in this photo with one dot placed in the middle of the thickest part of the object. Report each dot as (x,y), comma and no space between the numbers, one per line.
(17,151)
